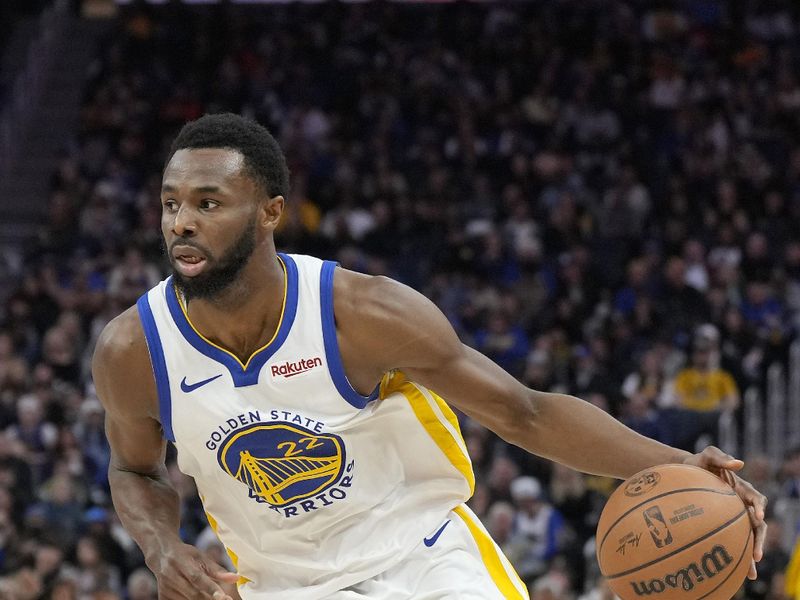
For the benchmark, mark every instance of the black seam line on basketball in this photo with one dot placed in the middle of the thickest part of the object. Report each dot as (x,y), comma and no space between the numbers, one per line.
(733,570)
(681,549)
(643,502)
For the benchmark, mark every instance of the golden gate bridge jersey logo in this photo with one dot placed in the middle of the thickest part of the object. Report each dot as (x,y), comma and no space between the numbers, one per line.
(282,463)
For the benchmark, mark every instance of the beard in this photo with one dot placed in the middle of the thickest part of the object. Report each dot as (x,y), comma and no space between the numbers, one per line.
(221,273)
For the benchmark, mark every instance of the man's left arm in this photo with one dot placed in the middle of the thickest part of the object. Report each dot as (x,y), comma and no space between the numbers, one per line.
(399,328)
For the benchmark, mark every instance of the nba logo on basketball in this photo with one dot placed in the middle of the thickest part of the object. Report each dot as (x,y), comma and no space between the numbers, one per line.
(657,526)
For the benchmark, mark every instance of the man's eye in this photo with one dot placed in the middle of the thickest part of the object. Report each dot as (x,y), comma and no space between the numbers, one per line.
(207,204)
(170,204)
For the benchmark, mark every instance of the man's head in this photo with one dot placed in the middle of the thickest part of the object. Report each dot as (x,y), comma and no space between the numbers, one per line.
(222,195)
(264,161)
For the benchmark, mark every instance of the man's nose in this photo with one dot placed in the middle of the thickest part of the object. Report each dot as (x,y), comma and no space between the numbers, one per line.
(184,222)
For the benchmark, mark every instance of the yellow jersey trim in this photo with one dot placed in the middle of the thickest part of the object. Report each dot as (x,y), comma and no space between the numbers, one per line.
(436,417)
(225,350)
(234,557)
(500,574)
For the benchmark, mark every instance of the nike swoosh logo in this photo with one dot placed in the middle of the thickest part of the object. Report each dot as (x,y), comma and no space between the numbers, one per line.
(190,387)
(430,541)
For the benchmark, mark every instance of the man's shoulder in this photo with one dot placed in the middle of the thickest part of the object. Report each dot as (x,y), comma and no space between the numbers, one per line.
(363,290)
(122,339)
(390,323)
(121,367)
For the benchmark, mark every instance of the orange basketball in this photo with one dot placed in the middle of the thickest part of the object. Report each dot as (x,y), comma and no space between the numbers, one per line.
(674,532)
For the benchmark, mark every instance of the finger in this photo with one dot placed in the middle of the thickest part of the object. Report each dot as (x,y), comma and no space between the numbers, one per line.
(717,458)
(203,583)
(752,574)
(753,499)
(225,576)
(218,573)
(191,581)
(758,543)
(728,477)
(178,582)
(212,573)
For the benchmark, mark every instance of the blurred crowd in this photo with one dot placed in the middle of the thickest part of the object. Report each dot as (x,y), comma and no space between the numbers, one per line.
(603,196)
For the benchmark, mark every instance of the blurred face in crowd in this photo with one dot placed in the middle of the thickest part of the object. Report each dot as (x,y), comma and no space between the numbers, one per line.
(675,272)
(87,553)
(141,585)
(757,292)
(29,412)
(208,219)
(791,466)
(48,559)
(502,471)
(792,255)
(64,590)
(701,357)
(62,491)
(637,273)
(528,505)
(500,521)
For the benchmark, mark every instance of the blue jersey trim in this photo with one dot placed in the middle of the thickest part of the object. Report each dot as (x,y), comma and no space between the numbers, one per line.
(335,366)
(241,377)
(156,351)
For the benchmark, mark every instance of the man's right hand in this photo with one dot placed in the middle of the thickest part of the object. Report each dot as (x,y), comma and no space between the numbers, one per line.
(183,572)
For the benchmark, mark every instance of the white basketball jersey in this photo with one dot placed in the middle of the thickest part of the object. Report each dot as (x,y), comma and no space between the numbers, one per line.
(310,486)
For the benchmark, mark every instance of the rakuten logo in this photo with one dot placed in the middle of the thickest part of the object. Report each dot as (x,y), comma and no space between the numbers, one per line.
(290,369)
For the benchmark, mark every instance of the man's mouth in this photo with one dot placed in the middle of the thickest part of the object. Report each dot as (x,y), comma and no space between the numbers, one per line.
(192,260)
(189,266)
(188,260)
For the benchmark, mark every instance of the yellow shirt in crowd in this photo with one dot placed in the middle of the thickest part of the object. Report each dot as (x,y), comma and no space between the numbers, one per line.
(703,390)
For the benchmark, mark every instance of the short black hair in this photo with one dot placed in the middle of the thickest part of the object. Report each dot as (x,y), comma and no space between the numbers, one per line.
(263,158)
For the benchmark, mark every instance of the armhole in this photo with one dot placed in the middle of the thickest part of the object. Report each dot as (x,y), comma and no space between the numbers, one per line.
(332,354)
(159,365)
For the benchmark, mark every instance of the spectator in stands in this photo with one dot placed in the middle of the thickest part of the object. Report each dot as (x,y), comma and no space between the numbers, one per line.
(642,389)
(142,585)
(36,435)
(679,303)
(48,564)
(539,523)
(501,473)
(94,573)
(132,277)
(701,391)
(90,435)
(503,341)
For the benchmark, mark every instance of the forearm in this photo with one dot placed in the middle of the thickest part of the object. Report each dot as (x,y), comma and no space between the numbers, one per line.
(580,435)
(148,507)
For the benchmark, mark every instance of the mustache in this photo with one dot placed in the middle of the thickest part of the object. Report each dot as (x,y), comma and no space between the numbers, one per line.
(186,242)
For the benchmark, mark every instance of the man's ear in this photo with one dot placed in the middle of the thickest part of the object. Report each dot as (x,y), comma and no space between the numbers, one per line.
(271,212)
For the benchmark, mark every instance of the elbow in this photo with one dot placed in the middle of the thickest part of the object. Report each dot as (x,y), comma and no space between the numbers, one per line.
(120,470)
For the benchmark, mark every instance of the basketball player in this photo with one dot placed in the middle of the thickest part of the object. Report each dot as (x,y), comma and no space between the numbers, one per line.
(308,403)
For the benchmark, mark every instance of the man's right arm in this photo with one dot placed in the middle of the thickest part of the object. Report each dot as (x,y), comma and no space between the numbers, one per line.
(147,504)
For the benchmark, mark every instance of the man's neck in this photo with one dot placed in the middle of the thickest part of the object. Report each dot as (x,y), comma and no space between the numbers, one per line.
(245,316)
